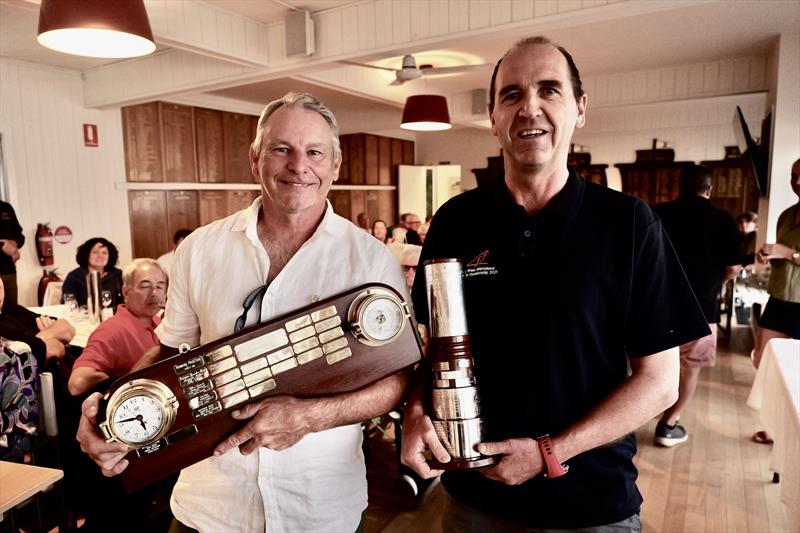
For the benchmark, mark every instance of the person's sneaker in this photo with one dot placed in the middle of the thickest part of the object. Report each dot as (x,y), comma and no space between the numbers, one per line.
(670,435)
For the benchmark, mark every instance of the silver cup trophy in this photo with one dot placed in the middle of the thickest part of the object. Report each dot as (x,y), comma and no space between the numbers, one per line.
(455,406)
(93,296)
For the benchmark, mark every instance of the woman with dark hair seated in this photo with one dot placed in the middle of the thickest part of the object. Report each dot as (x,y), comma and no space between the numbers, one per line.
(95,255)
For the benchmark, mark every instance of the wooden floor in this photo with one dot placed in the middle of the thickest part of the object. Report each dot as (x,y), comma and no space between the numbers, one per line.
(718,481)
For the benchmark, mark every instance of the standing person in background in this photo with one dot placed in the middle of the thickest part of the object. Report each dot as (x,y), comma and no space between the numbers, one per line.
(166,260)
(747,223)
(11,240)
(710,250)
(781,317)
(95,255)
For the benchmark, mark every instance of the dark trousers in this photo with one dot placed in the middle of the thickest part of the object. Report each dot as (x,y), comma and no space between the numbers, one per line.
(458,517)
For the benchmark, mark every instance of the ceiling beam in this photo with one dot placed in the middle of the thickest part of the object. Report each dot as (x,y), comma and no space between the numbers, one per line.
(374,28)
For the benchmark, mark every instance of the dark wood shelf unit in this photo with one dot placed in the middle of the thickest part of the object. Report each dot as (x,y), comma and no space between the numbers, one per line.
(182,145)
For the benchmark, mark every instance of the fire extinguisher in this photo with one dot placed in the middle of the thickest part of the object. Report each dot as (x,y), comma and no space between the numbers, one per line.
(44,244)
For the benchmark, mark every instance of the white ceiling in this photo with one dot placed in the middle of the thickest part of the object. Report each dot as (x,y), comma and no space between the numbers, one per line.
(269,11)
(687,32)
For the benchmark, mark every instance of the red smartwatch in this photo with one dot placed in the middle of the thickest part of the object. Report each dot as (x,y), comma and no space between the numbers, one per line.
(554,466)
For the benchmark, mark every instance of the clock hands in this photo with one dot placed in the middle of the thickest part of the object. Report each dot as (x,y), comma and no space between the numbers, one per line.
(138,418)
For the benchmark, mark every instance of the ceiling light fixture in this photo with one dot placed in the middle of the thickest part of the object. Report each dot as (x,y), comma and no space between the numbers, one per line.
(96,28)
(426,112)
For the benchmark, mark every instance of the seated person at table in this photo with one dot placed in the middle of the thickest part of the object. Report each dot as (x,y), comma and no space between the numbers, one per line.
(45,337)
(167,259)
(119,342)
(95,255)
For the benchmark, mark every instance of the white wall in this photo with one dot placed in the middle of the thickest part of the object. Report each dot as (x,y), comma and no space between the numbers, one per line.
(696,129)
(53,177)
(468,147)
(785,96)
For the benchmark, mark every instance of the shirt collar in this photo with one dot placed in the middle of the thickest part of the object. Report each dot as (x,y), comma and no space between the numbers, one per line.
(247,220)
(565,203)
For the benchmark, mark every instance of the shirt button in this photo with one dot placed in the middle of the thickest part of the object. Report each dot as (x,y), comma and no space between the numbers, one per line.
(527,233)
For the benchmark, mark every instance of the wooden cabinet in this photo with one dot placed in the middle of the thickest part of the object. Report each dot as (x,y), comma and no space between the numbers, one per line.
(213,206)
(182,211)
(654,177)
(238,132)
(582,163)
(141,132)
(148,228)
(177,134)
(184,145)
(172,143)
(370,161)
(734,185)
(210,146)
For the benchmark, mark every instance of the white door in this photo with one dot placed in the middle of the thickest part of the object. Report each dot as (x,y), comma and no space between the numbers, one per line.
(423,189)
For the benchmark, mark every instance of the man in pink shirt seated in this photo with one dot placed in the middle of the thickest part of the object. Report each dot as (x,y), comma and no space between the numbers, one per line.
(119,342)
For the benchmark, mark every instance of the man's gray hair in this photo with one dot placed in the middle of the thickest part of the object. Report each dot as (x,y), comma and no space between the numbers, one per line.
(306,101)
(130,269)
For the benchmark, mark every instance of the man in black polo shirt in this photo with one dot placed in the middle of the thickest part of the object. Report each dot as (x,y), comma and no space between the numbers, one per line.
(565,283)
(709,247)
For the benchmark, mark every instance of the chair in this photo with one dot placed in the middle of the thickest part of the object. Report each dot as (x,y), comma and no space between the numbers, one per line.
(52,295)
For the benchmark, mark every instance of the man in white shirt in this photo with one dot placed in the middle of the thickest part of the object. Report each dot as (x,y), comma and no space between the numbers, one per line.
(299,466)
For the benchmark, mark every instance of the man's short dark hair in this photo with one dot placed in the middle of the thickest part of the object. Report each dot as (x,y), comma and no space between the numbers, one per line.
(574,75)
(695,179)
(82,255)
(180,234)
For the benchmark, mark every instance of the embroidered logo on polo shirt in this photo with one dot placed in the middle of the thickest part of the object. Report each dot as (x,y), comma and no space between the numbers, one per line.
(480,260)
(480,266)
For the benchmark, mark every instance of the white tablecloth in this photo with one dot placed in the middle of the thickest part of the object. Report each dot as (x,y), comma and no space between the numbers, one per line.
(776,395)
(83,326)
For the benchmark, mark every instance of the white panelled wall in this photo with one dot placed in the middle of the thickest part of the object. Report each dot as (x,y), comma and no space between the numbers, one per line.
(53,177)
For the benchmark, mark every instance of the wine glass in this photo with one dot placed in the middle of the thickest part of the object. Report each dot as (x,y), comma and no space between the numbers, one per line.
(71,303)
(106,301)
(105,298)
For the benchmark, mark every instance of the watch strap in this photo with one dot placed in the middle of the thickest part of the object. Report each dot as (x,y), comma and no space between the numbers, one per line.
(554,467)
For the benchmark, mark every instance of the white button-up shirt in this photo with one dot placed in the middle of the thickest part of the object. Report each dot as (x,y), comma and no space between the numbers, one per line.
(319,484)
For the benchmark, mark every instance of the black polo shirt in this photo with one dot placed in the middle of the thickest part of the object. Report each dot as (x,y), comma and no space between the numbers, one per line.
(555,302)
(706,240)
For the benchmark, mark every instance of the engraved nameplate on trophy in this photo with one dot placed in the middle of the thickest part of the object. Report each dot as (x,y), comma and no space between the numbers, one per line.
(174,413)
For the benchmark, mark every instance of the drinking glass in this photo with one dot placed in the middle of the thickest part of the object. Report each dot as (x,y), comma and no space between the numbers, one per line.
(71,303)
(105,298)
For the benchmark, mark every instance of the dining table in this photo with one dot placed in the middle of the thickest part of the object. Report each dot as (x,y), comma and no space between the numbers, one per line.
(80,320)
(776,395)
